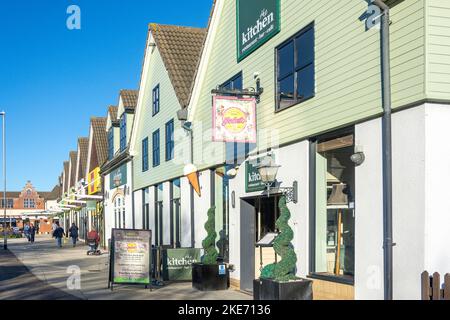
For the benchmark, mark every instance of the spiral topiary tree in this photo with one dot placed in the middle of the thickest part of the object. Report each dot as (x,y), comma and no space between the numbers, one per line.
(283,270)
(211,253)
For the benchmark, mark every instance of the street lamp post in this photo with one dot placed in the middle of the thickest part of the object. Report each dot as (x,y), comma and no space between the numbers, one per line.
(5,243)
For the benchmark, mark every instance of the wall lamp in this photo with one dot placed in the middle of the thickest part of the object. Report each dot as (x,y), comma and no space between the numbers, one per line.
(268,171)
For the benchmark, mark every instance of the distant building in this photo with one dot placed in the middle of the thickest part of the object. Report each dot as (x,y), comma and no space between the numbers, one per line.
(28,205)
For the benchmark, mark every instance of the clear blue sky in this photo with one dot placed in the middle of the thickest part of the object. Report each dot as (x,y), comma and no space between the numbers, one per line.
(52,79)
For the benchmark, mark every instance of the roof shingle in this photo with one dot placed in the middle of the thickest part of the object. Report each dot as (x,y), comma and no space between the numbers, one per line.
(100,139)
(129,99)
(180,49)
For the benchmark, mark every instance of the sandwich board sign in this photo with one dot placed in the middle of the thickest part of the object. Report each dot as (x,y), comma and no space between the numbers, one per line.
(130,257)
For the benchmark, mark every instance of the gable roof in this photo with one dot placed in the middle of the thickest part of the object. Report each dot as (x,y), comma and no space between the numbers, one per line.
(129,99)
(83,145)
(73,155)
(66,176)
(100,139)
(180,49)
(112,112)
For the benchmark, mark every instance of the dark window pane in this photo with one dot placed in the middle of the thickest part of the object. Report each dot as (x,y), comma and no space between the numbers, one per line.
(237,83)
(286,60)
(305,82)
(305,48)
(286,89)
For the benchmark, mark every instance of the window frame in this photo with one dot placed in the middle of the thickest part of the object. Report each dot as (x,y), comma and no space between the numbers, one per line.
(145,162)
(313,142)
(156,100)
(296,68)
(156,149)
(111,143)
(170,141)
(123,132)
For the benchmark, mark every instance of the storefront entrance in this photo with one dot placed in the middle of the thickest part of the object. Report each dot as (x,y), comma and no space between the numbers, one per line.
(258,217)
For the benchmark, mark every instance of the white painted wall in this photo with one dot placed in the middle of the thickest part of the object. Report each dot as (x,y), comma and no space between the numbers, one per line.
(138,209)
(185,213)
(437,216)
(369,213)
(166,213)
(408,138)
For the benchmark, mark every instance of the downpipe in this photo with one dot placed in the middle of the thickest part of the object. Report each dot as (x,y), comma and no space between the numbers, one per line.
(388,243)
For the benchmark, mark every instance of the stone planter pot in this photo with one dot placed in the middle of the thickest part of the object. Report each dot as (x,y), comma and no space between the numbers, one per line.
(265,289)
(208,277)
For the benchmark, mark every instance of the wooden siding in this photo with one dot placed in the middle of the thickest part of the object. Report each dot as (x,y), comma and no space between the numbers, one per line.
(147,124)
(347,64)
(438,49)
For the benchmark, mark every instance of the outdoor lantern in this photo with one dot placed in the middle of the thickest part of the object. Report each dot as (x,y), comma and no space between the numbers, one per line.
(268,171)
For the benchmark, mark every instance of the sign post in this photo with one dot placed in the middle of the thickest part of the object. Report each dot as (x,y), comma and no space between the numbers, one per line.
(130,258)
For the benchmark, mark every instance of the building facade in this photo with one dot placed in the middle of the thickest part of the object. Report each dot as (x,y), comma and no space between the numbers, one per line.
(117,172)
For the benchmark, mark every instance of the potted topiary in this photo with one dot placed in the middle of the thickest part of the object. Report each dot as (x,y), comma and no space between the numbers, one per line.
(278,280)
(209,275)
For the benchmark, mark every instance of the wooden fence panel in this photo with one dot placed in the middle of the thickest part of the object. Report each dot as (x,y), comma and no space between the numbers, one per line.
(432,289)
(426,289)
(447,287)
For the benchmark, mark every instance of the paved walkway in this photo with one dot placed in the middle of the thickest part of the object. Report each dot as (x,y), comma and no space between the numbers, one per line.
(49,268)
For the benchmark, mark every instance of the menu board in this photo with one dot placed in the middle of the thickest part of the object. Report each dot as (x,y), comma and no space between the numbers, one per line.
(130,257)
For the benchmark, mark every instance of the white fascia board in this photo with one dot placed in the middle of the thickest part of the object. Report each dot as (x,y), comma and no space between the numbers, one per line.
(121,108)
(204,59)
(77,170)
(149,51)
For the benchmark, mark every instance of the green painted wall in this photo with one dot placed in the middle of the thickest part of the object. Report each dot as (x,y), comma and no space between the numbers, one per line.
(348,86)
(438,48)
(147,124)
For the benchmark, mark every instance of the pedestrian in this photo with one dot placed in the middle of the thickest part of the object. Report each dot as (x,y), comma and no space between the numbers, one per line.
(32,233)
(26,231)
(73,233)
(58,234)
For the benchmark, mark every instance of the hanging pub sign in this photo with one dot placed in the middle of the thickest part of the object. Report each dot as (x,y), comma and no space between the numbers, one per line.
(234,119)
(257,22)
(130,258)
(118,177)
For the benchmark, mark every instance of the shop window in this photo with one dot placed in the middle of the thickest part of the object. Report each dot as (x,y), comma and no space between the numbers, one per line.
(111,143)
(175,223)
(156,149)
(295,69)
(145,155)
(123,132)
(170,143)
(146,210)
(333,214)
(155,101)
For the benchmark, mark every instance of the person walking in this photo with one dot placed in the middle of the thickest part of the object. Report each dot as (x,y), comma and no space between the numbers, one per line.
(58,234)
(26,231)
(73,234)
(32,233)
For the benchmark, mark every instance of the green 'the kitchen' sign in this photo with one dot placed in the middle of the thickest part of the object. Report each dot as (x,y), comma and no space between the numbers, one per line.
(257,22)
(177,263)
(118,177)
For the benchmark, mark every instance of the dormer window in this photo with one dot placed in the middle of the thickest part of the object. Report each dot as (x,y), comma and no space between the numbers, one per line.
(123,132)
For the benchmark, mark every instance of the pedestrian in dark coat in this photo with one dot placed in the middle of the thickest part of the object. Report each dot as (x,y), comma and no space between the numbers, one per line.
(73,234)
(32,233)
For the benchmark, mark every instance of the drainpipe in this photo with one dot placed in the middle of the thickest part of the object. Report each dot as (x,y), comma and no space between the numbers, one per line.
(388,243)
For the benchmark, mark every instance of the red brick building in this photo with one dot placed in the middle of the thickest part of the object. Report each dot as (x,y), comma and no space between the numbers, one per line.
(28,205)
